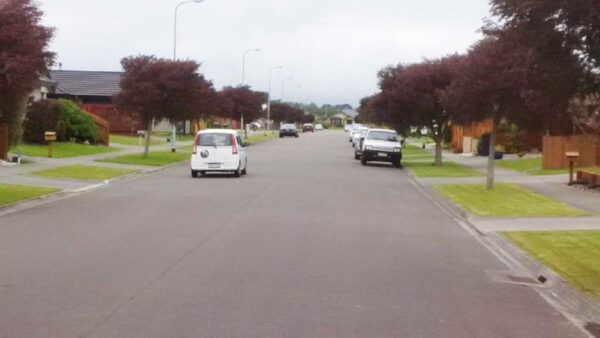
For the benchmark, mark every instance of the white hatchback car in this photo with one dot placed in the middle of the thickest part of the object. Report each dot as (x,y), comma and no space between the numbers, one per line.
(219,150)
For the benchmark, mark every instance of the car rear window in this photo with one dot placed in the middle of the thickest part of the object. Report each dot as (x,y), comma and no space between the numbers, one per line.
(288,126)
(214,139)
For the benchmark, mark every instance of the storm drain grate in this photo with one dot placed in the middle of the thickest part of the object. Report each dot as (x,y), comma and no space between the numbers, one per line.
(593,329)
(515,277)
(522,279)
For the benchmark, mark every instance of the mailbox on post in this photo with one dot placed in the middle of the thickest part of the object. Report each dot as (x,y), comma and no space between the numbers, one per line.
(572,156)
(49,137)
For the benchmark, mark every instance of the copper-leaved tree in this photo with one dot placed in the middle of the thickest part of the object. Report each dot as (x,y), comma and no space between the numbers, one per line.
(411,96)
(506,78)
(24,57)
(154,89)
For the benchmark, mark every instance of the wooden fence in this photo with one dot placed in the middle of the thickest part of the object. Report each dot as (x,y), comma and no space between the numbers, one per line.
(476,130)
(555,147)
(120,122)
(103,127)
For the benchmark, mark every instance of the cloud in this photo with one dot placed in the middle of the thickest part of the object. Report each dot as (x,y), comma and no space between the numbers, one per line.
(332,48)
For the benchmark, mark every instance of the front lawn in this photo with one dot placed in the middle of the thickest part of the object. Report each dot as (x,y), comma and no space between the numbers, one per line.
(575,255)
(155,158)
(10,194)
(61,150)
(506,200)
(529,166)
(448,169)
(82,172)
(131,140)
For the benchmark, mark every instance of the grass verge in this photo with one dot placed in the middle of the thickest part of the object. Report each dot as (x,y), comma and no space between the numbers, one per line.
(575,255)
(155,158)
(529,166)
(260,137)
(82,172)
(449,169)
(506,200)
(61,150)
(10,194)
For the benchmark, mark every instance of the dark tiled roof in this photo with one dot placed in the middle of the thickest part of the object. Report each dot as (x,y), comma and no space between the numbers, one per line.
(86,83)
(350,112)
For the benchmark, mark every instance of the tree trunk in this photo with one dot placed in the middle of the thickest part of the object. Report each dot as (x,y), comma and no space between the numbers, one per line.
(148,137)
(4,141)
(438,151)
(492,155)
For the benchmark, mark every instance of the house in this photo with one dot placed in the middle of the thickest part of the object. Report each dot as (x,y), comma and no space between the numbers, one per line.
(94,92)
(46,86)
(346,116)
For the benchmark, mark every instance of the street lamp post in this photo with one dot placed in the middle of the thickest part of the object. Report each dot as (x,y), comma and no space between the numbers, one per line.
(174,129)
(269,97)
(244,82)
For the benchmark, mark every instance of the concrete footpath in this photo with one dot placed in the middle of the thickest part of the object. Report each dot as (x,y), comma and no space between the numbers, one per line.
(21,174)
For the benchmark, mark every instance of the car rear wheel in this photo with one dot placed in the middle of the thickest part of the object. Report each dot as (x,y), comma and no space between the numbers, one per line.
(238,172)
(194,173)
(356,156)
(245,171)
(363,160)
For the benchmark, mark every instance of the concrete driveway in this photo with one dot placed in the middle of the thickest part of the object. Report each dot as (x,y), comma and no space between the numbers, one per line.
(309,244)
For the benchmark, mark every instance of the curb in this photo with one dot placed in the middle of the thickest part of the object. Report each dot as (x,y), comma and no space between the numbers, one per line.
(64,194)
(576,307)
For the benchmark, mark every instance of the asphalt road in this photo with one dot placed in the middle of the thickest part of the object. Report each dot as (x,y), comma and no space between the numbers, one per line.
(309,244)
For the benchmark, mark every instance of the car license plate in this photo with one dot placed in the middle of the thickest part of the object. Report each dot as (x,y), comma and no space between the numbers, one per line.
(214,166)
(382,155)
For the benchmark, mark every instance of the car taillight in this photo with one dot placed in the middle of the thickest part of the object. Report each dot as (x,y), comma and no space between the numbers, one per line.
(233,145)
(195,147)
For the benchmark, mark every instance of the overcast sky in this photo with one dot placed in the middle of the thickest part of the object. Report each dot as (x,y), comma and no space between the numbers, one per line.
(331,48)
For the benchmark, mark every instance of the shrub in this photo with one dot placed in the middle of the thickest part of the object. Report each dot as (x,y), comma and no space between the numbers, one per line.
(42,116)
(76,124)
(62,116)
(514,143)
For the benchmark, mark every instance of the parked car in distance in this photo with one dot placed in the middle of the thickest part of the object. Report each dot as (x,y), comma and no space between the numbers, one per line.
(318,126)
(218,150)
(381,145)
(288,129)
(352,129)
(308,127)
(358,134)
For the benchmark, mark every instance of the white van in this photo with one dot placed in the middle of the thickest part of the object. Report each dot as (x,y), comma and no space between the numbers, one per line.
(219,150)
